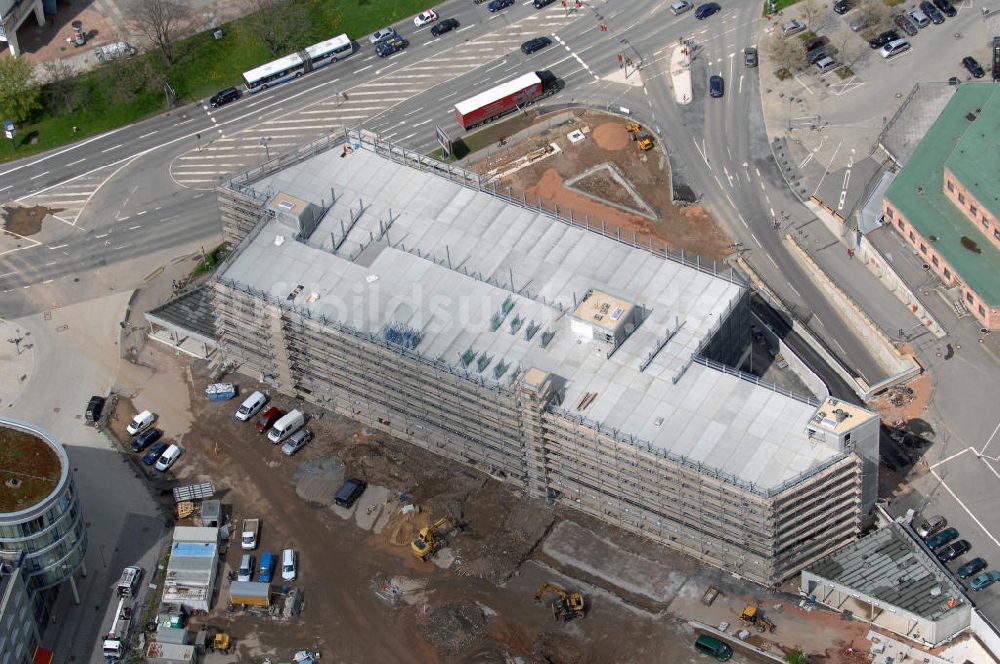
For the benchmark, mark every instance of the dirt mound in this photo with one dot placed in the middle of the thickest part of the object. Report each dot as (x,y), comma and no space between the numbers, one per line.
(454,626)
(318,480)
(552,647)
(26,220)
(611,136)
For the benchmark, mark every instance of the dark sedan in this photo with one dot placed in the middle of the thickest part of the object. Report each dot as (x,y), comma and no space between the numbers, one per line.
(905,23)
(941,538)
(154,453)
(444,26)
(974,566)
(883,39)
(932,12)
(841,6)
(706,10)
(536,44)
(974,67)
(146,438)
(945,8)
(954,550)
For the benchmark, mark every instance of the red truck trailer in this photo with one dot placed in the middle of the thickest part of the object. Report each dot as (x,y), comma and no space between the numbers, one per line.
(491,104)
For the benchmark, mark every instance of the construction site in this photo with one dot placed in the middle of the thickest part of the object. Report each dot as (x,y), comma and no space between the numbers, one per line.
(583,366)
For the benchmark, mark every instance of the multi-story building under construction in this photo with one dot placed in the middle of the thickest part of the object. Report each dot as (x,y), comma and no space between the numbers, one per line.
(551,353)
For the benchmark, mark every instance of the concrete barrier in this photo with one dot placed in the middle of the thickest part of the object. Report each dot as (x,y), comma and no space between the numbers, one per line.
(885,351)
(801,369)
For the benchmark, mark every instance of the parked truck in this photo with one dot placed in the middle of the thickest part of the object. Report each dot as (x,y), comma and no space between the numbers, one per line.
(489,105)
(116,640)
(251,528)
(250,593)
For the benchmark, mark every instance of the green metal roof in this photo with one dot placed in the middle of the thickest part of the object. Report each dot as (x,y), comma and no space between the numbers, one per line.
(971,149)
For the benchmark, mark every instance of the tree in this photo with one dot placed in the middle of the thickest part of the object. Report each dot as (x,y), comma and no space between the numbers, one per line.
(20,91)
(162,21)
(282,25)
(796,656)
(876,12)
(61,87)
(787,53)
(810,10)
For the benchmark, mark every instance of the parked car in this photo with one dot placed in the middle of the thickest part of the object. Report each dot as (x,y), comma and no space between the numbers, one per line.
(223,97)
(941,538)
(140,423)
(716,86)
(705,10)
(297,441)
(349,492)
(791,28)
(841,6)
(245,570)
(266,567)
(444,26)
(391,45)
(945,7)
(812,57)
(750,56)
(953,550)
(536,44)
(813,44)
(497,5)
(679,8)
(984,580)
(826,64)
(425,17)
(905,23)
(542,3)
(927,527)
(154,453)
(267,419)
(974,67)
(883,39)
(168,458)
(289,565)
(973,566)
(94,408)
(894,48)
(380,35)
(932,12)
(919,18)
(146,438)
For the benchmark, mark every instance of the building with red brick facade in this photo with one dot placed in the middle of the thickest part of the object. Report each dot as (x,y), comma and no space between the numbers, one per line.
(945,202)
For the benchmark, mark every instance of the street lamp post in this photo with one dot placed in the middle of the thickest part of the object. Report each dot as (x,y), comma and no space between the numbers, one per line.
(264,141)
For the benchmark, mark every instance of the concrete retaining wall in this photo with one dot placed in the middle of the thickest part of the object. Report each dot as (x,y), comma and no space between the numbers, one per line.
(883,349)
(986,632)
(801,369)
(881,268)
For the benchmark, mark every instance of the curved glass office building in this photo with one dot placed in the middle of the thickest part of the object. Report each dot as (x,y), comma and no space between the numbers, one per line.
(40,515)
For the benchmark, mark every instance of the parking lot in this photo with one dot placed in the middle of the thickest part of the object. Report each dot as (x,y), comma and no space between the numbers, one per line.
(831,122)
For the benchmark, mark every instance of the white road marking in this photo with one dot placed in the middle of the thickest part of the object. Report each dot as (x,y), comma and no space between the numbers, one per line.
(988,440)
(756,240)
(967,510)
(74,163)
(42,174)
(112,148)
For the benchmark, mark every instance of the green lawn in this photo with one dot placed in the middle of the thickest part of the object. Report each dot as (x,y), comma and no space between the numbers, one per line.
(205,66)
(488,135)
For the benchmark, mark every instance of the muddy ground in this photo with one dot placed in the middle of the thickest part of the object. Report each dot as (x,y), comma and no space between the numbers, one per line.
(481,609)
(679,226)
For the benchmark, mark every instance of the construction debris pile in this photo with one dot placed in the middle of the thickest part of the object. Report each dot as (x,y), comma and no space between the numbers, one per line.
(453,626)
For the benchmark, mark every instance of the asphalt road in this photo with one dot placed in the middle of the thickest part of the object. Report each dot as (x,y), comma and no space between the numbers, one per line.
(717,146)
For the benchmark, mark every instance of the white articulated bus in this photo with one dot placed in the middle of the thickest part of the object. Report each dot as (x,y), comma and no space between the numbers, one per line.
(295,65)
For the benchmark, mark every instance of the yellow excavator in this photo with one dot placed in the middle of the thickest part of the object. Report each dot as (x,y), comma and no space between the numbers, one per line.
(566,606)
(427,542)
(752,617)
(642,137)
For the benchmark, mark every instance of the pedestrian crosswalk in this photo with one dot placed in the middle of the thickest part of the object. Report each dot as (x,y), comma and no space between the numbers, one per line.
(209,164)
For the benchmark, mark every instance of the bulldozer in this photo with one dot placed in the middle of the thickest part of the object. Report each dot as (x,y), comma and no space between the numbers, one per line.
(566,606)
(642,137)
(751,616)
(427,542)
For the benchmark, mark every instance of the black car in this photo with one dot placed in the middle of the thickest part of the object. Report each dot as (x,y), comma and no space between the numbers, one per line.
(223,97)
(349,492)
(954,550)
(945,8)
(390,46)
(146,438)
(932,12)
(815,55)
(444,26)
(497,5)
(883,39)
(706,10)
(542,3)
(974,67)
(94,408)
(841,6)
(536,44)
(716,87)
(905,23)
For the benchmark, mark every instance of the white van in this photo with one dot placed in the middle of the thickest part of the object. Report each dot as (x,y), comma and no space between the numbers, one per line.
(140,423)
(250,406)
(286,426)
(129,581)
(167,458)
(288,566)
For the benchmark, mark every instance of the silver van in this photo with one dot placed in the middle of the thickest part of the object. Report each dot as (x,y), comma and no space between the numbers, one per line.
(895,47)
(920,18)
(250,406)
(245,571)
